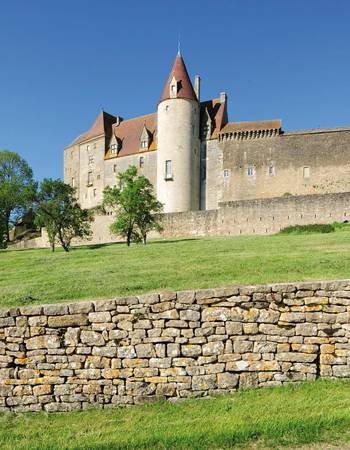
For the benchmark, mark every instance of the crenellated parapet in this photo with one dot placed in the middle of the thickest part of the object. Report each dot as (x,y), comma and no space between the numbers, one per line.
(250,130)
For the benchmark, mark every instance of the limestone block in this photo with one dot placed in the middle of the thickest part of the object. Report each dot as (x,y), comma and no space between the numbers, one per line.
(47,341)
(80,307)
(91,338)
(296,357)
(163,306)
(34,310)
(71,320)
(189,314)
(234,328)
(107,351)
(216,314)
(160,363)
(191,350)
(37,321)
(250,328)
(243,346)
(203,382)
(213,348)
(145,351)
(42,390)
(166,389)
(104,316)
(55,310)
(187,297)
(227,380)
(306,329)
(173,350)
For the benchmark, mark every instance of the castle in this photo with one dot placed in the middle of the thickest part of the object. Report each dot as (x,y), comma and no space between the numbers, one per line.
(198,160)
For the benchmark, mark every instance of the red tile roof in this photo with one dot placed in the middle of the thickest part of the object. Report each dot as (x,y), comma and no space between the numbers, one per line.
(217,112)
(129,133)
(185,88)
(100,127)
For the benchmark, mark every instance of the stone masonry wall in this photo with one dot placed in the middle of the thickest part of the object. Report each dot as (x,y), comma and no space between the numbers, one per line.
(170,345)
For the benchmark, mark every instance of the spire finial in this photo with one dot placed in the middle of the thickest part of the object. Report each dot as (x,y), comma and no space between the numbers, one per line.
(179,44)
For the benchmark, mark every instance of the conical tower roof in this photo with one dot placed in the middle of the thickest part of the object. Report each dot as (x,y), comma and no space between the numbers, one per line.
(179,72)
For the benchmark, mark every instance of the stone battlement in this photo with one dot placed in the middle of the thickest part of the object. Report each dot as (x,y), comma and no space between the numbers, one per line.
(172,345)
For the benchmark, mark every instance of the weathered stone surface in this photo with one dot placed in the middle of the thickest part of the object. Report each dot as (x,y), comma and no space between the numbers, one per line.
(203,382)
(191,350)
(91,338)
(215,314)
(126,352)
(71,320)
(227,380)
(100,316)
(47,341)
(213,348)
(145,351)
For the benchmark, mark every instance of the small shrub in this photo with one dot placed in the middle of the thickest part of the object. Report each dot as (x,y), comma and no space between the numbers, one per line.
(312,228)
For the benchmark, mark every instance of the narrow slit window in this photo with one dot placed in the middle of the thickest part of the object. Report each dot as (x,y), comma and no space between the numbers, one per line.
(168,169)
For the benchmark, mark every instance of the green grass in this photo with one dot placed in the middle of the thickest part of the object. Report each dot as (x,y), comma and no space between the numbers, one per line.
(315,228)
(289,416)
(39,276)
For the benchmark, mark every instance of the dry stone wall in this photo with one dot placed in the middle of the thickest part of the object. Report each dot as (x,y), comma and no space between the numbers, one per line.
(170,345)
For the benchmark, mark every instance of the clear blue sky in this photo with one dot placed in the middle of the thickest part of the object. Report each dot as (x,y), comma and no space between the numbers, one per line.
(62,61)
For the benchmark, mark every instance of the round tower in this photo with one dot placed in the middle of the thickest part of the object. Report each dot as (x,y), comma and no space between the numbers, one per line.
(178,145)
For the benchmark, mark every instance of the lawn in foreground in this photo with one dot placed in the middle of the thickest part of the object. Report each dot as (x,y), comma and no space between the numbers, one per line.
(289,416)
(39,276)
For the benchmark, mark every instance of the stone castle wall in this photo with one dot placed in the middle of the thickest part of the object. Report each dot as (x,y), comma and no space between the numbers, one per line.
(299,163)
(172,345)
(260,216)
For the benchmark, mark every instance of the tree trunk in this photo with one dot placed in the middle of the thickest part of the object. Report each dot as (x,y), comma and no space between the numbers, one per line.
(65,245)
(144,238)
(7,229)
(53,246)
(128,238)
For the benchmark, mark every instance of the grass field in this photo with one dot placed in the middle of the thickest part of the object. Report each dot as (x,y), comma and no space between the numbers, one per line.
(39,276)
(289,416)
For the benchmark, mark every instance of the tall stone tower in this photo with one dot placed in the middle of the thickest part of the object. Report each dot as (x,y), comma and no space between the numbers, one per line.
(178,147)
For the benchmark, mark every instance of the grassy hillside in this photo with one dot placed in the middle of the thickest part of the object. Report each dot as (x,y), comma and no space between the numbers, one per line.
(39,276)
(289,416)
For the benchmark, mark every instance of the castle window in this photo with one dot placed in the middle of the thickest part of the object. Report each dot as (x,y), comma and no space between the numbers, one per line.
(88,147)
(95,192)
(250,171)
(141,162)
(73,182)
(144,144)
(226,173)
(168,170)
(114,149)
(114,168)
(306,172)
(91,159)
(271,171)
(89,180)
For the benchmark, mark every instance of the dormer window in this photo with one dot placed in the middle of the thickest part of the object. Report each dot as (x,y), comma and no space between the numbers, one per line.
(145,138)
(114,149)
(173,88)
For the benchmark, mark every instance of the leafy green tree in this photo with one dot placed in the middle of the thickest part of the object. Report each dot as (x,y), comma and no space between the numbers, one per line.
(17,188)
(135,205)
(59,212)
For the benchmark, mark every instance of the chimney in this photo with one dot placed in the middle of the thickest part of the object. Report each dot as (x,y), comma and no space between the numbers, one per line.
(223,97)
(197,87)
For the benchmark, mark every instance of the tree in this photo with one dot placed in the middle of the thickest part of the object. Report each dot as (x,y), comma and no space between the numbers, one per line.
(17,188)
(135,205)
(59,212)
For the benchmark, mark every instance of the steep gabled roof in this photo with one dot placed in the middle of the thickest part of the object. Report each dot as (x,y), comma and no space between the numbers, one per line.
(100,127)
(179,72)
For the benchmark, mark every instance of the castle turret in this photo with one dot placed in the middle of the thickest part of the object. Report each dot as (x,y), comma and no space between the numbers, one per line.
(178,144)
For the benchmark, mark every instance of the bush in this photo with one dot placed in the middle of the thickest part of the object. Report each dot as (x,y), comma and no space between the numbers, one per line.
(313,228)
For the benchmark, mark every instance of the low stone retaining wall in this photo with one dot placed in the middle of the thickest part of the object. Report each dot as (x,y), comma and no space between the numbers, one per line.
(191,343)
